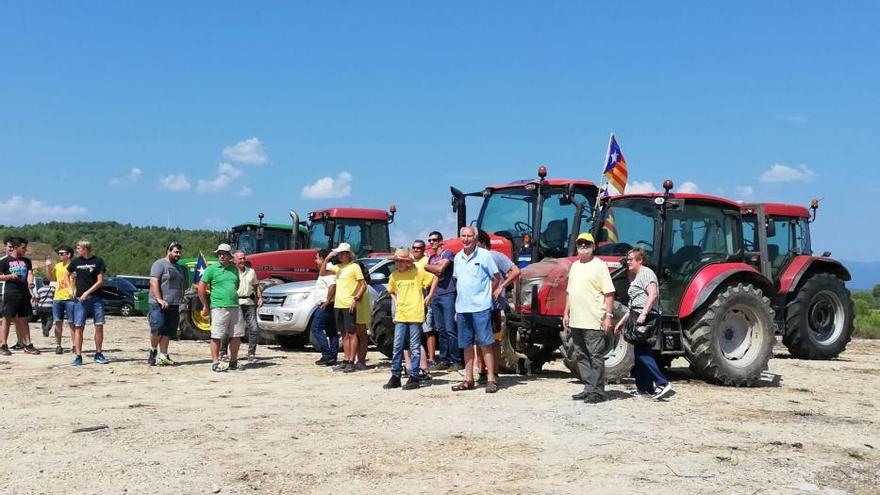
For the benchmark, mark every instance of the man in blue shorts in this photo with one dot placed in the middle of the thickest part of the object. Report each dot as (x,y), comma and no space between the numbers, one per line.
(476,278)
(167,283)
(87,275)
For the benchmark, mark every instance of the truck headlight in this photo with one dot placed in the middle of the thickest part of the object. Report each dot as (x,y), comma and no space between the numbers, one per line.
(295,300)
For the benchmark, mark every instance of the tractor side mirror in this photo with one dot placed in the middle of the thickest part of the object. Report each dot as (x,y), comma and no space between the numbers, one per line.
(771,228)
(328,229)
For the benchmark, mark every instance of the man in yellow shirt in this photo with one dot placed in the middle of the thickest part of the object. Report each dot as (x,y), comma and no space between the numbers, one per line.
(62,303)
(348,304)
(406,286)
(587,316)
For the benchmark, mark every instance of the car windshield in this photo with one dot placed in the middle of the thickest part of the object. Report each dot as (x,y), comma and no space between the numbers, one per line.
(123,284)
(510,213)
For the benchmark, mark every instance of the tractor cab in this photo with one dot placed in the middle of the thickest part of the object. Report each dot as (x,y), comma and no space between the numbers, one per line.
(366,230)
(261,237)
(534,219)
(680,233)
(784,235)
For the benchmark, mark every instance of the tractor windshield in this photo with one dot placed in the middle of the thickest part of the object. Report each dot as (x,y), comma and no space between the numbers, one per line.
(272,240)
(625,224)
(510,213)
(365,236)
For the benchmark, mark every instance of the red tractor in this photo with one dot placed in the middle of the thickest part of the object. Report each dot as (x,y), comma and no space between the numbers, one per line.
(814,309)
(365,229)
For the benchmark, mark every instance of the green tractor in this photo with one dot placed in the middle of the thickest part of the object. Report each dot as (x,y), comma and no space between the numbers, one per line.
(250,237)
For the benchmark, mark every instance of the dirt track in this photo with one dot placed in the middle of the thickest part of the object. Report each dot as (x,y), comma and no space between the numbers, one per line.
(287,426)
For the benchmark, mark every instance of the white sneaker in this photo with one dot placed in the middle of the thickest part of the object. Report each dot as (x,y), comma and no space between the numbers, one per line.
(662,392)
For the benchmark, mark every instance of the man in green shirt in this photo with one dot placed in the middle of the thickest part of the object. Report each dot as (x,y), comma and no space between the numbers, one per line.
(226,319)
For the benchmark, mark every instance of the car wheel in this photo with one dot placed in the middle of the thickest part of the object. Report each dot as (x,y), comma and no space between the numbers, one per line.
(126,310)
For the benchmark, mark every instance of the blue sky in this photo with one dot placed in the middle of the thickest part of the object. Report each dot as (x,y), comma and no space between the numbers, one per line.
(228,109)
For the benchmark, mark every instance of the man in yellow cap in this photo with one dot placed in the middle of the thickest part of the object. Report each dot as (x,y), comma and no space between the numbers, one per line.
(587,316)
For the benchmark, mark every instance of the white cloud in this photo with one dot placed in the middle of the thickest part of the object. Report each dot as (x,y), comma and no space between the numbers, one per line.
(250,151)
(745,191)
(688,187)
(244,191)
(175,182)
(637,187)
(17,208)
(133,175)
(329,187)
(783,173)
(226,174)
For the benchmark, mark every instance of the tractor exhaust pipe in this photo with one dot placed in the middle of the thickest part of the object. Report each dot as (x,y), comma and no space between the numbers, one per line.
(294,235)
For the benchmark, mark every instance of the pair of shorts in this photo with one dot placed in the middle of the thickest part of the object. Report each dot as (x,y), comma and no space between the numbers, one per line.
(62,310)
(163,322)
(474,328)
(92,307)
(17,305)
(227,323)
(345,320)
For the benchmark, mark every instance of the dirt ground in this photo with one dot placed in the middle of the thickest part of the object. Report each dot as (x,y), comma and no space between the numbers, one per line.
(284,425)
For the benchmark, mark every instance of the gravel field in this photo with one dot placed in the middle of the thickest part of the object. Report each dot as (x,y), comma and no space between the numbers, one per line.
(283,425)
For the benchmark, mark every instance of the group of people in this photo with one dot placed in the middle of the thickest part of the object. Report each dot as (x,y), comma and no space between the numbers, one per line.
(446,309)
(75,297)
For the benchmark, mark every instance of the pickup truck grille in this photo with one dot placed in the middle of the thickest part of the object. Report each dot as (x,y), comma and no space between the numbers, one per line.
(273,300)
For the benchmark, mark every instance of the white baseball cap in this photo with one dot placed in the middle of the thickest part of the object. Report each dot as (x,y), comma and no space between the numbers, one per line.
(342,247)
(223,247)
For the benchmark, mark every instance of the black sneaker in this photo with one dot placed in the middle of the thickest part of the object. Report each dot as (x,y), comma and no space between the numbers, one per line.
(442,365)
(424,375)
(393,382)
(349,368)
(30,349)
(322,361)
(594,399)
(662,392)
(4,350)
(411,383)
(343,366)
(331,362)
(59,349)
(580,395)
(233,365)
(18,346)
(151,359)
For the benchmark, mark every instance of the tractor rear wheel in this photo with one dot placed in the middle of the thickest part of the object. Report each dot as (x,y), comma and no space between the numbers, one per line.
(619,357)
(382,325)
(819,320)
(731,341)
(193,326)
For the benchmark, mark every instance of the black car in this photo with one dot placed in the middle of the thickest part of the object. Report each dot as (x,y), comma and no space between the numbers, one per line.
(118,295)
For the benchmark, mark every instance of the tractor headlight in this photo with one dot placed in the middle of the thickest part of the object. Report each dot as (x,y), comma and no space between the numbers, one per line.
(525,288)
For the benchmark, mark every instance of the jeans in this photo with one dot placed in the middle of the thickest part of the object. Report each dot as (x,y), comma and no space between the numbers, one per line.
(92,306)
(646,370)
(402,331)
(443,314)
(324,332)
(589,356)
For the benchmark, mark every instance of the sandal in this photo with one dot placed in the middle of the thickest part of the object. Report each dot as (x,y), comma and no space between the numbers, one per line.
(491,387)
(483,378)
(463,385)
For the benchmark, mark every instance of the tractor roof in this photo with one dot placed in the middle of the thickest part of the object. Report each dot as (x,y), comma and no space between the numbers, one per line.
(547,182)
(708,198)
(354,213)
(783,210)
(280,226)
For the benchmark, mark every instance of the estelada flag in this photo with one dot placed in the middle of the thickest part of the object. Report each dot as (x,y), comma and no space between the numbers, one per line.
(201,265)
(615,166)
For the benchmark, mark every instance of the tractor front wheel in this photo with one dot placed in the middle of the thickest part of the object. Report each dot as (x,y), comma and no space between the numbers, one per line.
(730,342)
(382,325)
(193,326)
(819,320)
(511,360)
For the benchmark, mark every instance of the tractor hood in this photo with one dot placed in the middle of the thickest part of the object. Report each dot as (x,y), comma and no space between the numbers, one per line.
(550,278)
(290,265)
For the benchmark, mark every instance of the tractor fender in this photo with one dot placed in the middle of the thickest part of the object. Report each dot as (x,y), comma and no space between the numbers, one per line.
(803,265)
(713,276)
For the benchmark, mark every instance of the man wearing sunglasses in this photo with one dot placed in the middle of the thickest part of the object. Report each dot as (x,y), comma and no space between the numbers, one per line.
(62,302)
(440,264)
(167,284)
(587,316)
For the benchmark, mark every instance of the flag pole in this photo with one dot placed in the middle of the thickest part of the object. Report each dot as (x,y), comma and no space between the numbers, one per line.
(603,182)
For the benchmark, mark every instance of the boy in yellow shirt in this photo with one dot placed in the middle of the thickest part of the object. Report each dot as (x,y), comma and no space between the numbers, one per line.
(406,286)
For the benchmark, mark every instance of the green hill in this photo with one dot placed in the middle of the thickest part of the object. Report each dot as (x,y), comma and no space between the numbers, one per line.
(126,249)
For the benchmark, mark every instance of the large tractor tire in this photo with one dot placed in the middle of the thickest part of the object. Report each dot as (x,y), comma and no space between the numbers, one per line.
(731,341)
(511,360)
(193,326)
(382,325)
(819,320)
(619,357)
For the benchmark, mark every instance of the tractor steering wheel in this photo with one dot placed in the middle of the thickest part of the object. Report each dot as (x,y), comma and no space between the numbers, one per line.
(523,227)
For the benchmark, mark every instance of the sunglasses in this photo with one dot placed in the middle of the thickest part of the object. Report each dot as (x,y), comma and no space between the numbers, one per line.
(435,240)
(583,245)
(62,253)
(418,248)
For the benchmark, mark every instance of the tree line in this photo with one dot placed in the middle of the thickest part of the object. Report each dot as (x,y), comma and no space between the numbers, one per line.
(126,249)
(867,305)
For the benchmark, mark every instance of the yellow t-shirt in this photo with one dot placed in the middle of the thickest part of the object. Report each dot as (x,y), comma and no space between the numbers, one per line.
(587,285)
(409,287)
(347,278)
(62,290)
(363,311)
(421,262)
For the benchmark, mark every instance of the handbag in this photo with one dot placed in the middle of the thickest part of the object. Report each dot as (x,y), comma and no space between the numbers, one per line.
(645,334)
